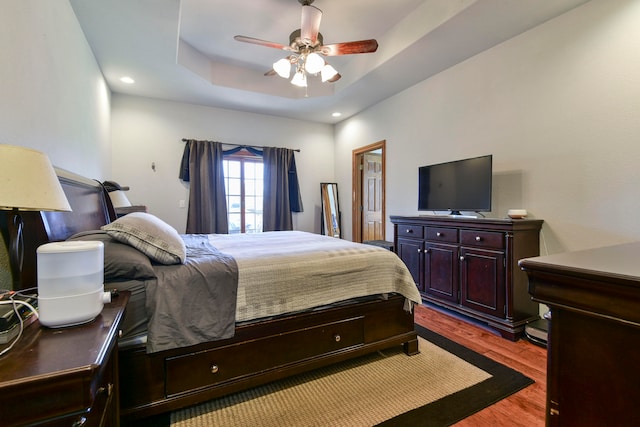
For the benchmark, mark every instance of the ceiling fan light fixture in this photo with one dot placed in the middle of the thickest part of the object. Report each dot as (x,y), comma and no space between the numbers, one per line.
(327,73)
(283,68)
(299,79)
(313,63)
(306,45)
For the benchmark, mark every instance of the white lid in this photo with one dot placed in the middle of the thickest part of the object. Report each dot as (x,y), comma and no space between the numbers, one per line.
(70,246)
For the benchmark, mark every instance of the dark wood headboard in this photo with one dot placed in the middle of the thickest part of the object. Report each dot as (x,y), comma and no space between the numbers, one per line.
(91,209)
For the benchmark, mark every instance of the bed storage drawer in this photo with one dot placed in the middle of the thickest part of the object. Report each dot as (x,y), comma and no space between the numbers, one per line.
(212,367)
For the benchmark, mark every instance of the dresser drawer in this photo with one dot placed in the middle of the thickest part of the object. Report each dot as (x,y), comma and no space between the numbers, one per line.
(442,234)
(212,367)
(414,231)
(482,239)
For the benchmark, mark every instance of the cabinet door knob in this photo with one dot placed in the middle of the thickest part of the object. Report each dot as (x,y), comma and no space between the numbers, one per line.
(409,230)
(439,234)
(214,369)
(337,337)
(461,258)
(106,390)
(478,238)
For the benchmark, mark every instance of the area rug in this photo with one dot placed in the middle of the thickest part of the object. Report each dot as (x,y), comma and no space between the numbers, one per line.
(443,384)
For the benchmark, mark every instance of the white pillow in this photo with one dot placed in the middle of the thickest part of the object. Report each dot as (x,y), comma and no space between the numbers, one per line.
(150,235)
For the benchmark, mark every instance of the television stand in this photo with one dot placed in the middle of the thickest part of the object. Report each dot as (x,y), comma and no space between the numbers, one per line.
(470,266)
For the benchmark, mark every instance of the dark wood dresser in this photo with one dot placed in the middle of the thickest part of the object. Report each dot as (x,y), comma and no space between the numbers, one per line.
(593,375)
(64,376)
(469,265)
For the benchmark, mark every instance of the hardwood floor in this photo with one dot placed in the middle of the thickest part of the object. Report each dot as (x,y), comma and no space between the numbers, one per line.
(525,408)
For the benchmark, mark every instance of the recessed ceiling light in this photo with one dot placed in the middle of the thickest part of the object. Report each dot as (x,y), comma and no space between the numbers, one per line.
(127,79)
(336,114)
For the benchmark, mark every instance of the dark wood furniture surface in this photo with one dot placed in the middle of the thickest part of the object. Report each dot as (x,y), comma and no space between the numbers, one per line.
(469,265)
(64,376)
(594,341)
(122,211)
(260,352)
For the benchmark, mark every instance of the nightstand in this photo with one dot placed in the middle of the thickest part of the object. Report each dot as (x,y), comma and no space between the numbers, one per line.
(64,376)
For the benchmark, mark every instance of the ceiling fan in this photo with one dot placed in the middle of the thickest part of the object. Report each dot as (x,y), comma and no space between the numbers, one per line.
(306,47)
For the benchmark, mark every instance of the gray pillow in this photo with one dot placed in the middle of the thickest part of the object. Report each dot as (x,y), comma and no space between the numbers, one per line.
(121,262)
(150,235)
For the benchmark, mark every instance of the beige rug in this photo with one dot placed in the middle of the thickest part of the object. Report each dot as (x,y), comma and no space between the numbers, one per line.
(362,392)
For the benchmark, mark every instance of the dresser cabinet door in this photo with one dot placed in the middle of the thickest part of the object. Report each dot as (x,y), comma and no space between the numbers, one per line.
(482,280)
(410,252)
(441,271)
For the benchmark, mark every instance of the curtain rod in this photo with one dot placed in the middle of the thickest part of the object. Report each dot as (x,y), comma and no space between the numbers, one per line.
(240,145)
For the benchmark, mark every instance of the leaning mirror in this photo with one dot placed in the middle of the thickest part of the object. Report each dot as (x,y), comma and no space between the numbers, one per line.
(330,210)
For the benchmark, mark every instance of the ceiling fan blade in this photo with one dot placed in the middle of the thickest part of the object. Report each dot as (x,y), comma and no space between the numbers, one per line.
(310,24)
(349,48)
(262,42)
(334,78)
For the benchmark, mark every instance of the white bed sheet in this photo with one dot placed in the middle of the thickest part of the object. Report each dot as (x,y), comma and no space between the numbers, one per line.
(309,270)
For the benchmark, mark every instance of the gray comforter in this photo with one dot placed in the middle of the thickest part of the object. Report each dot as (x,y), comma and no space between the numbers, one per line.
(193,302)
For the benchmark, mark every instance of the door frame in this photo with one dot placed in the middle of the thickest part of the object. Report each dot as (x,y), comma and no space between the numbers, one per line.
(356,185)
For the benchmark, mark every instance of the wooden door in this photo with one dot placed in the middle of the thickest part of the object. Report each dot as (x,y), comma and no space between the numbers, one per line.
(372,197)
(441,271)
(482,281)
(358,189)
(410,252)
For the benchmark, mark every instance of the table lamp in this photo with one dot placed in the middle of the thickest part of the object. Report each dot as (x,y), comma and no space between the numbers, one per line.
(28,182)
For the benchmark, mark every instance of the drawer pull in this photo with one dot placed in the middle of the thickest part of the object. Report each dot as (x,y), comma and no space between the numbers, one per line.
(79,422)
(478,238)
(439,234)
(214,369)
(337,337)
(409,231)
(461,258)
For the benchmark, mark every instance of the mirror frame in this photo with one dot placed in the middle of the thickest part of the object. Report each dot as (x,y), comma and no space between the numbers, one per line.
(330,210)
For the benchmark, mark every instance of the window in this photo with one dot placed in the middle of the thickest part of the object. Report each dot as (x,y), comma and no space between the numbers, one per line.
(243,178)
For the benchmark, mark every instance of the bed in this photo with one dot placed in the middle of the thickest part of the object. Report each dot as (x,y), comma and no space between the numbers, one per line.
(343,312)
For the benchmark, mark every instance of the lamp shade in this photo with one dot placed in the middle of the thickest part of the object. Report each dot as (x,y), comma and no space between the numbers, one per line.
(119,199)
(327,73)
(299,79)
(314,63)
(283,68)
(28,181)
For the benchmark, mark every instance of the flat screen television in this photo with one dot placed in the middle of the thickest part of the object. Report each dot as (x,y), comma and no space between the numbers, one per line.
(461,185)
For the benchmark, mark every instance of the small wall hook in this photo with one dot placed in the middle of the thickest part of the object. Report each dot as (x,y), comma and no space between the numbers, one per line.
(153,166)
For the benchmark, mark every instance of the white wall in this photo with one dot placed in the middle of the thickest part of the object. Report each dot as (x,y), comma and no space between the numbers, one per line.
(146,131)
(559,109)
(53,97)
(52,94)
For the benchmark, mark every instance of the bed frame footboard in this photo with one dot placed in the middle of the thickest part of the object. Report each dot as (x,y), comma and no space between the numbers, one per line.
(259,353)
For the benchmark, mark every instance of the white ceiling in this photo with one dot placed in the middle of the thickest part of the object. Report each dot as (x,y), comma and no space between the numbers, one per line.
(184,50)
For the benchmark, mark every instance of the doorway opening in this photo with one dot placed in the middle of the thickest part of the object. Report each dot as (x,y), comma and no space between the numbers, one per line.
(368,184)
